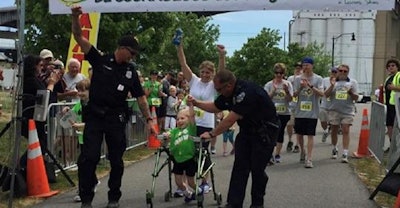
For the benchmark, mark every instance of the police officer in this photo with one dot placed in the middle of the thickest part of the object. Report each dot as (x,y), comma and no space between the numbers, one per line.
(255,113)
(106,112)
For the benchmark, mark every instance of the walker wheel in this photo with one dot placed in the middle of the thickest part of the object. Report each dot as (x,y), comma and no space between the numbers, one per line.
(200,199)
(148,200)
(167,196)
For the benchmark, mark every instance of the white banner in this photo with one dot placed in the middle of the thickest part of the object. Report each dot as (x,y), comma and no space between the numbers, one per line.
(118,6)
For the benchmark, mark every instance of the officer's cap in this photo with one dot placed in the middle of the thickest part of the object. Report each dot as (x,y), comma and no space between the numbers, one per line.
(130,41)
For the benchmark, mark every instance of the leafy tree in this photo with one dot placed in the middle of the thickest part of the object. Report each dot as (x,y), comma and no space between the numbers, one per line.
(154,31)
(255,60)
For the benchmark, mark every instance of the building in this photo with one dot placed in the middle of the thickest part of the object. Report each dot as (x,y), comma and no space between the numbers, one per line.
(375,40)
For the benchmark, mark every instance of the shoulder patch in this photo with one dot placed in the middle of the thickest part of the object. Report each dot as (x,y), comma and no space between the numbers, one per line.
(239,98)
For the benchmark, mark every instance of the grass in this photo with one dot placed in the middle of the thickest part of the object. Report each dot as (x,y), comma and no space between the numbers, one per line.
(368,170)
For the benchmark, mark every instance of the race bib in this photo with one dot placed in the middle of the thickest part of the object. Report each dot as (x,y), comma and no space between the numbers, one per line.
(306,106)
(280,107)
(341,95)
(155,101)
(198,112)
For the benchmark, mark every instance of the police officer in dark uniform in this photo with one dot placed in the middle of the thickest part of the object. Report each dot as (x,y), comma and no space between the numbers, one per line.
(106,112)
(251,107)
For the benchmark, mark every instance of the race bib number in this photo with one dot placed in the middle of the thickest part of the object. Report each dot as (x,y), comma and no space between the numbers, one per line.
(306,106)
(198,112)
(294,99)
(280,107)
(156,101)
(341,95)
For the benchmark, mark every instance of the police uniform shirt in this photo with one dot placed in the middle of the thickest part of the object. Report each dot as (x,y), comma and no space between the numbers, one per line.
(250,101)
(111,81)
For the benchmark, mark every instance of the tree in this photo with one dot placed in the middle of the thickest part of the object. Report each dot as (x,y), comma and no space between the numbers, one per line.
(154,31)
(255,60)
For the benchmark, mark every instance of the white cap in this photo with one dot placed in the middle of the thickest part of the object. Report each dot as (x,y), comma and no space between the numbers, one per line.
(59,62)
(46,53)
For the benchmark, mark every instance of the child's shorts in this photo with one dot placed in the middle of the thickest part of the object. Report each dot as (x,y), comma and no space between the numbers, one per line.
(188,167)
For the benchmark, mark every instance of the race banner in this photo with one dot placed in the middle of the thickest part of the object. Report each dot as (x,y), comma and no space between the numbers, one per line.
(90,28)
(118,6)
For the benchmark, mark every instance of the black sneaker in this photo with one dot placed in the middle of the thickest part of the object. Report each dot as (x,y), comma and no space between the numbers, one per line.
(289,146)
(296,149)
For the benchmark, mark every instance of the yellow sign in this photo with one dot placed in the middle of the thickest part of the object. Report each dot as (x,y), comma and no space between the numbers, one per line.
(90,28)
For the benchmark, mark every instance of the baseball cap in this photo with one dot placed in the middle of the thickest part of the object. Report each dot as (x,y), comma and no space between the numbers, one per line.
(153,72)
(46,53)
(58,62)
(307,60)
(130,41)
(333,69)
(297,64)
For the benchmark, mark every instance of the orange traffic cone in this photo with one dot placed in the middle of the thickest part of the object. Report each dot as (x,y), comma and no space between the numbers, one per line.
(152,141)
(362,150)
(36,178)
(397,203)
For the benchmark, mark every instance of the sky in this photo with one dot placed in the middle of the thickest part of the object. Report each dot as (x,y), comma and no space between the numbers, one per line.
(237,27)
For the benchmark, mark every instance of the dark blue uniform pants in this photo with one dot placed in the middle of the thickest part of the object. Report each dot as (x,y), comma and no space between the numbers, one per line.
(113,130)
(251,156)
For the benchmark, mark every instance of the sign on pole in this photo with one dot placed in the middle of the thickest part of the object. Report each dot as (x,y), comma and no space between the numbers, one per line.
(118,6)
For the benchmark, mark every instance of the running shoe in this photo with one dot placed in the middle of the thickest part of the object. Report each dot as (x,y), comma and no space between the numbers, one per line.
(178,193)
(308,164)
(324,136)
(345,158)
(205,187)
(334,153)
(302,157)
(277,158)
(190,198)
(289,146)
(296,149)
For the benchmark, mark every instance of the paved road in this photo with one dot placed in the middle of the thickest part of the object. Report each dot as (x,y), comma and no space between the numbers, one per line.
(330,184)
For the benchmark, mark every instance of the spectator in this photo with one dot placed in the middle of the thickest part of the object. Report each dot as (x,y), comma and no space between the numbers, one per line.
(105,115)
(253,110)
(172,103)
(391,86)
(153,90)
(342,92)
(202,88)
(227,135)
(70,78)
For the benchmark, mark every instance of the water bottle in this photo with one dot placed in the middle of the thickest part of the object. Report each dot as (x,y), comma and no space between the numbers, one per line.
(178,37)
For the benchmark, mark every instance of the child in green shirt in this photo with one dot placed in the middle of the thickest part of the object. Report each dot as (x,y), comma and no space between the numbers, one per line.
(182,149)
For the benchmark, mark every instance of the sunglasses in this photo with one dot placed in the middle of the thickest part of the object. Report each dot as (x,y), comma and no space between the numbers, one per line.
(221,88)
(279,72)
(392,65)
(343,71)
(334,72)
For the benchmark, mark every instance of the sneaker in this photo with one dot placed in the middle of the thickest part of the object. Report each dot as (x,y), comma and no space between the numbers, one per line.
(302,157)
(345,159)
(213,150)
(112,204)
(289,146)
(277,158)
(324,136)
(308,164)
(225,154)
(178,193)
(205,187)
(77,198)
(190,198)
(296,149)
(334,153)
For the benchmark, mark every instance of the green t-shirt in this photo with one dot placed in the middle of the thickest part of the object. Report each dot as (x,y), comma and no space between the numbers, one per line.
(77,109)
(181,145)
(154,87)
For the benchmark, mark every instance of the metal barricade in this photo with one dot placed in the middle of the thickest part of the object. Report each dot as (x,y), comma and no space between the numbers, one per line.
(377,128)
(63,142)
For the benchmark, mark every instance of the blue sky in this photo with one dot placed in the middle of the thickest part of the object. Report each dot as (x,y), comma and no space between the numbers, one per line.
(237,27)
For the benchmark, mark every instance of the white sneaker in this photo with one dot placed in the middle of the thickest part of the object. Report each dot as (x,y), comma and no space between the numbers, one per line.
(324,136)
(334,153)
(77,198)
(205,187)
(308,164)
(345,159)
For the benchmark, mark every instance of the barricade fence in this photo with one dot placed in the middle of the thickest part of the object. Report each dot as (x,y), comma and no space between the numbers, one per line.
(377,130)
(63,142)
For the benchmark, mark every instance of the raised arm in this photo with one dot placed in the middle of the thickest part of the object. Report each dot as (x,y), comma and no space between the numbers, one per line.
(187,72)
(77,30)
(221,59)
